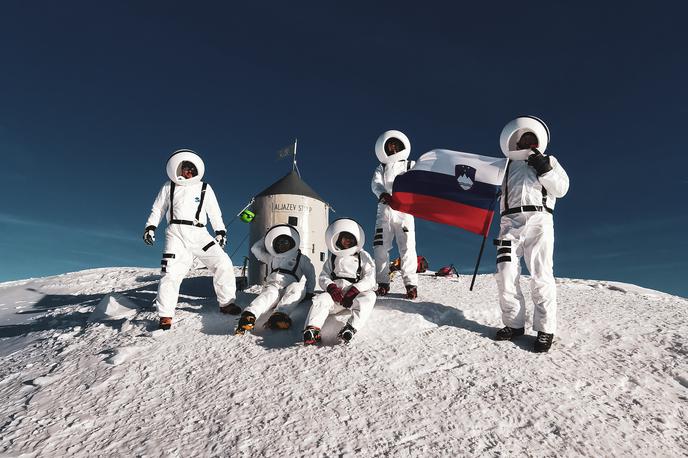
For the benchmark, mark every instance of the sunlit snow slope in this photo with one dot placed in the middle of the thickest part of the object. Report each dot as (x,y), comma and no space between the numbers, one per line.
(423,378)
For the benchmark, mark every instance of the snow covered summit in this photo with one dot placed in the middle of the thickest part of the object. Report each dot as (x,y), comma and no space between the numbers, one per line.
(422,378)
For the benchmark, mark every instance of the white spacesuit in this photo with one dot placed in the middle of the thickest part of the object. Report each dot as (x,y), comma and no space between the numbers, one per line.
(188,203)
(392,149)
(348,277)
(532,183)
(291,276)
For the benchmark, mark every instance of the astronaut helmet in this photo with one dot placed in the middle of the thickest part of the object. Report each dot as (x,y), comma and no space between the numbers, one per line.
(339,235)
(513,131)
(185,159)
(392,146)
(282,240)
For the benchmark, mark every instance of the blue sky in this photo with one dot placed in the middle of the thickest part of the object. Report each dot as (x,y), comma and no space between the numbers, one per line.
(95,96)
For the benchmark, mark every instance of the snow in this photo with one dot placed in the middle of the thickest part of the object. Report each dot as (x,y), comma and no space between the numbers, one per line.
(84,371)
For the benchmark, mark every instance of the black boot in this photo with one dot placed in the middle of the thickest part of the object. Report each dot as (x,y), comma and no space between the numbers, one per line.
(278,320)
(165,323)
(230,309)
(543,342)
(311,335)
(347,333)
(411,292)
(247,321)
(507,333)
(382,289)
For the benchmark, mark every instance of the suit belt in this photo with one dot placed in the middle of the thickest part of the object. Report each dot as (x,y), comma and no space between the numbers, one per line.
(527,208)
(186,222)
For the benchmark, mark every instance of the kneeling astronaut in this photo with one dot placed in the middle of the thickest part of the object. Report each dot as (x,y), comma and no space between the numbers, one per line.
(191,203)
(532,183)
(348,276)
(291,278)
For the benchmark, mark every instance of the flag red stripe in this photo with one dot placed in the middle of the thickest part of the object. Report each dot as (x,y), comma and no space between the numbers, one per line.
(444,211)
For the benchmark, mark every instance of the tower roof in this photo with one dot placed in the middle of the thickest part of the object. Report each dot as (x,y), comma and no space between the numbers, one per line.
(291,184)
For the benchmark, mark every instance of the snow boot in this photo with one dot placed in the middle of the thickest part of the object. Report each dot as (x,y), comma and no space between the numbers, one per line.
(347,333)
(165,322)
(382,289)
(247,321)
(311,335)
(278,320)
(507,333)
(230,309)
(543,342)
(411,292)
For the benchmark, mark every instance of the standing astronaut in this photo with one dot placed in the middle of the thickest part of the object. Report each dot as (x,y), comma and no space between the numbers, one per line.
(348,277)
(392,149)
(291,278)
(190,203)
(532,183)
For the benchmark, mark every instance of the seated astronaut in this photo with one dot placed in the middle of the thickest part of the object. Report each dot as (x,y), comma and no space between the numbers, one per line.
(291,278)
(348,277)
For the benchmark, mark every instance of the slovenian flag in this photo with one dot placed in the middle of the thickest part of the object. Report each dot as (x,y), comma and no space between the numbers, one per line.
(451,187)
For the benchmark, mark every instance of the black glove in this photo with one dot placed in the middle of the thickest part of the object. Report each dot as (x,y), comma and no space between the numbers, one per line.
(221,238)
(385,198)
(149,235)
(539,162)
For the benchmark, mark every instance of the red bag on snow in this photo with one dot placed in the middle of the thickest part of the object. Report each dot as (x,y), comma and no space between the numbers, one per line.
(447,271)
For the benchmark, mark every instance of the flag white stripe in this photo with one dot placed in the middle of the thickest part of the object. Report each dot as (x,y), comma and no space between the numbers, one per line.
(489,170)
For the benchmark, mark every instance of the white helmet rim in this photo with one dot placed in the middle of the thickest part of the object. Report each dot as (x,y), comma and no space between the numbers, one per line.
(380,147)
(174,164)
(344,225)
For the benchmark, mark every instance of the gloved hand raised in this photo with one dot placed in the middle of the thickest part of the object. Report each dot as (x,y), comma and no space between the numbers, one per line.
(335,292)
(221,238)
(539,162)
(149,235)
(350,296)
(385,198)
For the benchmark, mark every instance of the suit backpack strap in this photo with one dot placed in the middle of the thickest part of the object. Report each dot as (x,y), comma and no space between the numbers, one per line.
(200,204)
(172,201)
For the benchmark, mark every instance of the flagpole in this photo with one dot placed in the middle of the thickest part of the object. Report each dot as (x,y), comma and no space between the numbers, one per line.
(477,263)
(482,246)
(296,140)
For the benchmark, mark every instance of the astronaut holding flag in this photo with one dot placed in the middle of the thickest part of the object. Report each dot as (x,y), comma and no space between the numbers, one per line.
(532,183)
(392,150)
(188,203)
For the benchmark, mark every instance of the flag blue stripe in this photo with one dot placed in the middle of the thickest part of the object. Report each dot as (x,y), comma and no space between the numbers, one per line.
(481,195)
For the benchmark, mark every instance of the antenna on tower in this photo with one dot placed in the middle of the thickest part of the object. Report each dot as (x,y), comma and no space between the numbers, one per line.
(290,150)
(296,167)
